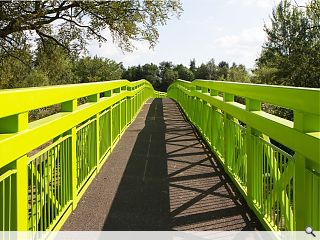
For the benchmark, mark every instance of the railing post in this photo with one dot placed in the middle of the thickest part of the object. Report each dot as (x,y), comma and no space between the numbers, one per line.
(109,94)
(227,97)
(71,106)
(303,123)
(22,193)
(96,98)
(128,110)
(251,105)
(191,109)
(213,92)
(117,90)
(120,115)
(15,124)
(21,122)
(204,90)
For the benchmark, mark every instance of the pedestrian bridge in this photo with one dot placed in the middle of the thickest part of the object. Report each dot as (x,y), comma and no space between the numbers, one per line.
(119,155)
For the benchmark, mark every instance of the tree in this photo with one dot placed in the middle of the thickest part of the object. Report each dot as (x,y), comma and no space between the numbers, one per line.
(222,71)
(202,72)
(238,74)
(313,8)
(207,71)
(151,73)
(193,66)
(212,70)
(167,74)
(184,73)
(291,52)
(97,69)
(71,23)
(133,73)
(265,75)
(13,71)
(55,63)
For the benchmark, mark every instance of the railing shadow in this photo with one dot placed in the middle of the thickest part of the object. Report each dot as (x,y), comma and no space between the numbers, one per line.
(142,199)
(174,182)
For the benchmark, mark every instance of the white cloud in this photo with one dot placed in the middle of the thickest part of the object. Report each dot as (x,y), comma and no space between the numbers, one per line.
(108,49)
(139,54)
(242,47)
(210,22)
(111,50)
(245,38)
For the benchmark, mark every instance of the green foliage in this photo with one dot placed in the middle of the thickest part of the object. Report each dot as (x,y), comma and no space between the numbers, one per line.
(222,70)
(184,72)
(291,54)
(97,69)
(133,73)
(202,72)
(50,66)
(151,73)
(169,75)
(238,74)
(193,66)
(13,72)
(55,63)
(207,71)
(71,23)
(265,75)
(163,75)
(53,66)
(160,77)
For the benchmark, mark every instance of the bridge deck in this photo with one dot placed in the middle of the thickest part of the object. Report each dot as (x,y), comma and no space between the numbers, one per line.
(161,176)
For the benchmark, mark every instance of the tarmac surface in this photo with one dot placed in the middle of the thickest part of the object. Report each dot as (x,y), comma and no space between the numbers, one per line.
(162,176)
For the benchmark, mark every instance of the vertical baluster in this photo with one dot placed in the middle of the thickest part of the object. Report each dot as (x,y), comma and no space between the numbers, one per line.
(14,124)
(3,206)
(251,105)
(303,122)
(226,117)
(71,106)
(49,184)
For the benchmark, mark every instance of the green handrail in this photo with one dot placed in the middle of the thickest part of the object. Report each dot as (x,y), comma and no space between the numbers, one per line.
(45,187)
(39,191)
(283,188)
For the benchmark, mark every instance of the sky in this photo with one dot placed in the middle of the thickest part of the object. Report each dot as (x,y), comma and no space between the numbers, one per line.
(225,30)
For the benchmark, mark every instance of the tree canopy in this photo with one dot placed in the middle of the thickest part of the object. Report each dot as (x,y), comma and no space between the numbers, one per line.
(71,23)
(291,55)
(97,69)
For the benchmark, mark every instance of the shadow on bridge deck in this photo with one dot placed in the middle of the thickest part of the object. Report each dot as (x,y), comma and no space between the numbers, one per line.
(161,176)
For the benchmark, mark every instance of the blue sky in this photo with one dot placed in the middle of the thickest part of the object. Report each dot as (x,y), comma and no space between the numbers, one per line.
(230,30)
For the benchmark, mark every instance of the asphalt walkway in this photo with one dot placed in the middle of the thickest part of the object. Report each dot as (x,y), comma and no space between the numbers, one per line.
(161,176)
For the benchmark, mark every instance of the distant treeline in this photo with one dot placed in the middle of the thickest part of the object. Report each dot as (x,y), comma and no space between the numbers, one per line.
(166,72)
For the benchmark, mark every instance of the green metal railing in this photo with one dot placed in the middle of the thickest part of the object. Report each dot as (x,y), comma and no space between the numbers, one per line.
(46,165)
(282,186)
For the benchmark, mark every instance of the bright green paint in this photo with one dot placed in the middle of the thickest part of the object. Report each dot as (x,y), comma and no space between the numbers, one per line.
(58,175)
(283,190)
(83,137)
